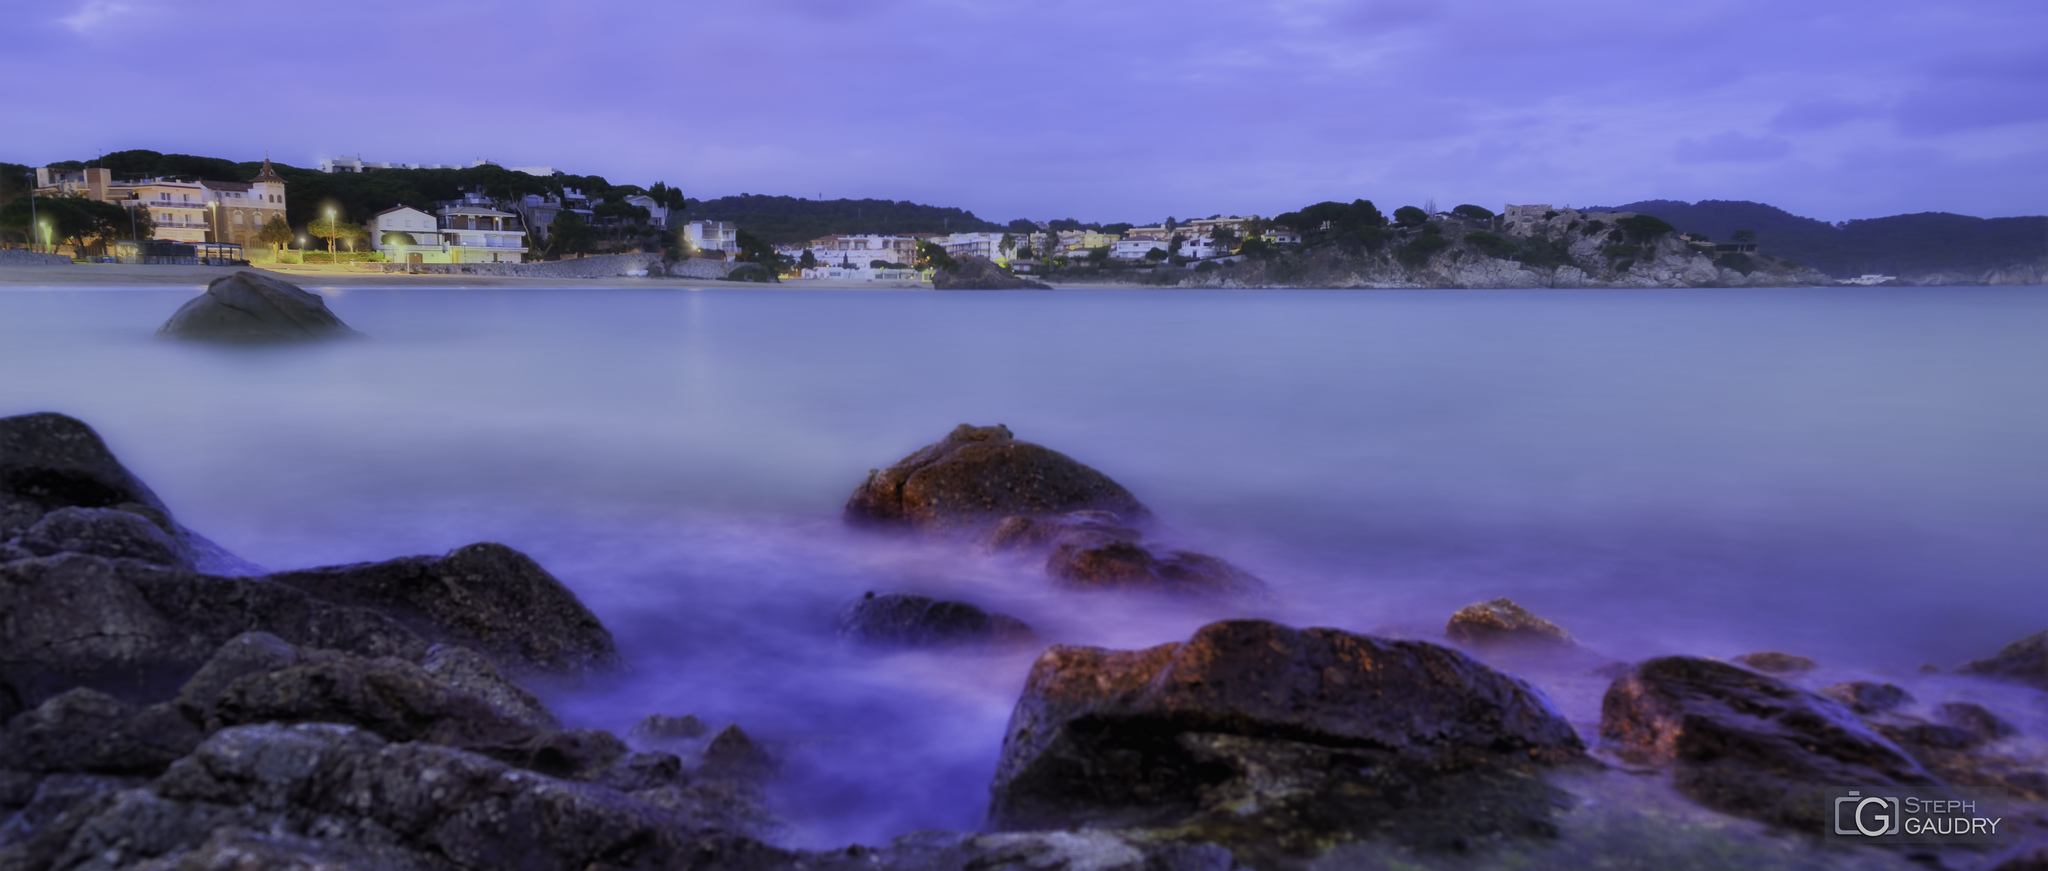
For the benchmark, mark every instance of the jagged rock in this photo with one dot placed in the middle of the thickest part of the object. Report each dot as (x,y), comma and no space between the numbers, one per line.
(245,654)
(1976,720)
(386,695)
(979,273)
(396,804)
(485,596)
(659,729)
(1776,663)
(733,755)
(50,462)
(1502,622)
(1745,743)
(1081,850)
(904,620)
(976,475)
(1867,697)
(91,732)
(1260,734)
(134,630)
(468,671)
(2025,661)
(249,307)
(1123,565)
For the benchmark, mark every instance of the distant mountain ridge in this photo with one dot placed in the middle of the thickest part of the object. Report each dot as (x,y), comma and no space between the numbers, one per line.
(1904,245)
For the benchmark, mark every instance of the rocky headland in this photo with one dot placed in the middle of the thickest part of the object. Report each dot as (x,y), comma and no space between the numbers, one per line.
(166,706)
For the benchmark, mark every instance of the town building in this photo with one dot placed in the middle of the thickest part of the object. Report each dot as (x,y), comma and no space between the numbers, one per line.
(657,214)
(861,250)
(182,209)
(1135,247)
(404,234)
(714,236)
(241,209)
(461,232)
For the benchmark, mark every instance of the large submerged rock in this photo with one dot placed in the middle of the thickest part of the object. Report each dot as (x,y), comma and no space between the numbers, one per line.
(977,475)
(1503,623)
(250,307)
(979,273)
(906,620)
(1262,736)
(2024,661)
(1747,743)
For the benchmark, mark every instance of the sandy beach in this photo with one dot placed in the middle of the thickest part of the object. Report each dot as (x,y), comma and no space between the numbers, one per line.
(197,277)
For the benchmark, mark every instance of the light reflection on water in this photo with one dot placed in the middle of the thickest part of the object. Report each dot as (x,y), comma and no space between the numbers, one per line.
(1852,475)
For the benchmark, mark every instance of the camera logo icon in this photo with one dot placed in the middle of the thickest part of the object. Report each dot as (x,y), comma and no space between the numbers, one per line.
(1869,816)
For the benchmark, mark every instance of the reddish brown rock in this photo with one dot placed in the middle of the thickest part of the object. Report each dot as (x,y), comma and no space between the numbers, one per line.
(1124,565)
(2024,661)
(1772,662)
(1501,622)
(977,475)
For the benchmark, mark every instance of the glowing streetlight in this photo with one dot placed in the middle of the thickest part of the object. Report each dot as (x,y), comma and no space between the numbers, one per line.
(46,237)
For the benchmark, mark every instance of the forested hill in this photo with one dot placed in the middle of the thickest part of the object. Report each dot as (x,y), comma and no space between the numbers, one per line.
(1898,245)
(789,220)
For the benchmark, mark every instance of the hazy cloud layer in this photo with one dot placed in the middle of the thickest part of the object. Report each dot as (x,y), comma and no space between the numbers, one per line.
(1128,111)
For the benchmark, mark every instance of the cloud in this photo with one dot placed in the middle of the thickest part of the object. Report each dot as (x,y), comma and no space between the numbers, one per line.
(1734,148)
(93,13)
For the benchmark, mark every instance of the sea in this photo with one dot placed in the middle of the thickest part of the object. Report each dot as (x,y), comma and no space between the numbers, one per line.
(1858,475)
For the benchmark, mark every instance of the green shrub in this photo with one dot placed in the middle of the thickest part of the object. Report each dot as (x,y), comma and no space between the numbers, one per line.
(1643,228)
(1491,245)
(1473,212)
(1418,252)
(1595,227)
(1545,254)
(1619,251)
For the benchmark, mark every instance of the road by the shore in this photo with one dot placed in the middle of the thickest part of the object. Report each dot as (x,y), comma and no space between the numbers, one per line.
(195,278)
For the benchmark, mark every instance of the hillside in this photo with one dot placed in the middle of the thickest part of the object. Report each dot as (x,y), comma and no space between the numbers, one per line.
(789,220)
(1902,245)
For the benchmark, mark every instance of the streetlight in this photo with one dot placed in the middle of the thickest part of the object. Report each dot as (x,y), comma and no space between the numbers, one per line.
(330,239)
(46,237)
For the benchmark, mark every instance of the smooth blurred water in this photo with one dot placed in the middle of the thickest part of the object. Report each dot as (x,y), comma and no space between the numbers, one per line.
(1855,475)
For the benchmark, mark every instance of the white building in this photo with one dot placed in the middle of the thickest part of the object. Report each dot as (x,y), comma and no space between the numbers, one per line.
(986,245)
(421,239)
(863,250)
(709,236)
(657,214)
(479,234)
(1134,249)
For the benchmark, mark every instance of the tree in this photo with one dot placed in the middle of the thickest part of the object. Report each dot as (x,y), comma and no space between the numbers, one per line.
(1022,225)
(330,229)
(1473,212)
(754,249)
(1098,254)
(77,220)
(1007,245)
(1052,245)
(275,233)
(570,234)
(930,255)
(807,261)
(1643,228)
(1225,238)
(1410,216)
(668,197)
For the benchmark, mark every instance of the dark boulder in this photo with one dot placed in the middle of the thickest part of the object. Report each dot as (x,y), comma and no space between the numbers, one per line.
(1975,719)
(979,273)
(1771,662)
(1257,734)
(734,755)
(665,730)
(1124,565)
(1501,622)
(51,462)
(1079,528)
(1746,743)
(977,475)
(389,696)
(2024,661)
(253,308)
(484,596)
(91,732)
(904,620)
(468,671)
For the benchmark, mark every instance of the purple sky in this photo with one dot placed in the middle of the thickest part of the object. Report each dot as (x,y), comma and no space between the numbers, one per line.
(1099,111)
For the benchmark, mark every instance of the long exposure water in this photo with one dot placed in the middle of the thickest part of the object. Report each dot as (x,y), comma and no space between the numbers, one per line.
(1854,475)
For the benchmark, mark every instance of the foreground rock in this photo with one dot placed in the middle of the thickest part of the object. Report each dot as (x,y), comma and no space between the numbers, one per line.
(1773,662)
(1746,743)
(904,620)
(979,273)
(63,491)
(977,475)
(1268,738)
(486,596)
(253,308)
(1128,565)
(1501,622)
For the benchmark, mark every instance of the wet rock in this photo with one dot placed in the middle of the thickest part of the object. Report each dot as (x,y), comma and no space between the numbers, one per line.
(484,596)
(1975,719)
(1745,743)
(55,808)
(1123,565)
(91,732)
(51,462)
(1081,850)
(658,729)
(253,308)
(1256,733)
(2024,661)
(977,475)
(1080,528)
(904,620)
(136,630)
(245,654)
(468,671)
(579,754)
(1501,622)
(103,532)
(1867,697)
(1776,663)
(402,804)
(391,697)
(733,755)
(979,273)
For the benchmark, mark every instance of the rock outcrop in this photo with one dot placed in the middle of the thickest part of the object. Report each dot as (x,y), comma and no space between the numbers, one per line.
(1266,737)
(63,491)
(252,308)
(1745,743)
(977,475)
(2024,661)
(979,273)
(1502,623)
(1773,662)
(904,620)
(1128,565)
